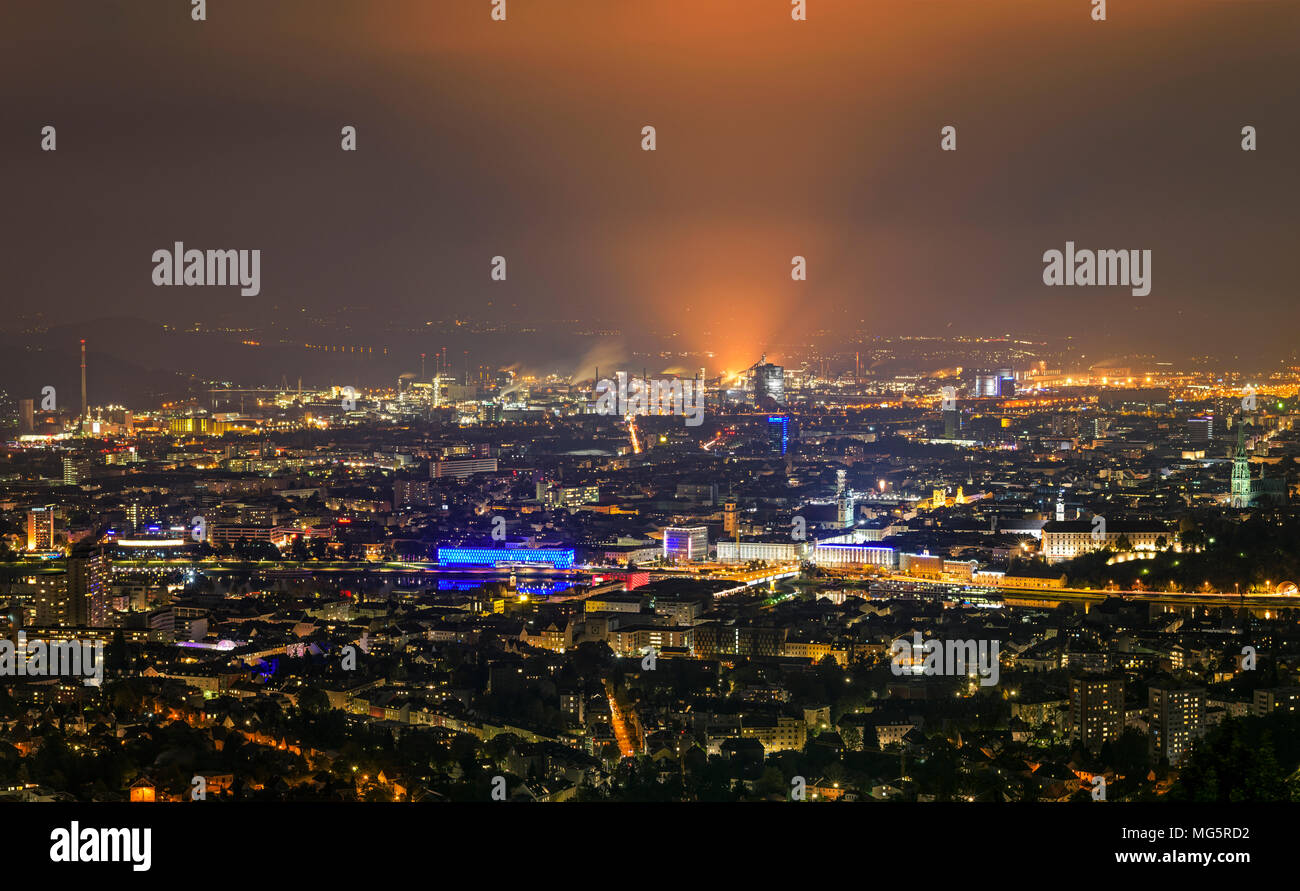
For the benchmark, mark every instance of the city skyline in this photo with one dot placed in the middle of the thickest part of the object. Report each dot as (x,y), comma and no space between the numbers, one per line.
(665,406)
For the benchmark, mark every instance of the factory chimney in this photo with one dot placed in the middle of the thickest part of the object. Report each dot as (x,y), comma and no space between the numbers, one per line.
(85,409)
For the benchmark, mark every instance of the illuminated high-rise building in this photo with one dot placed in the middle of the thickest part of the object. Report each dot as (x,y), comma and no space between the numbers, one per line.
(411,492)
(140,516)
(778,434)
(686,543)
(75,472)
(1096,710)
(1200,429)
(1177,716)
(951,423)
(40,528)
(87,588)
(769,382)
(987,385)
(50,599)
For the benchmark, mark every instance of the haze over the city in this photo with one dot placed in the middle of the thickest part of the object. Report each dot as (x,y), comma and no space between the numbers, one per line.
(524,141)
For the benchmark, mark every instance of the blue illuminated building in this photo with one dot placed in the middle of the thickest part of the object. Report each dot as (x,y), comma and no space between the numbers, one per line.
(778,433)
(555,586)
(469,555)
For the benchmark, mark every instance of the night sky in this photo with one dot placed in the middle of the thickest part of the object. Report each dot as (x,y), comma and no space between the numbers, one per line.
(775,138)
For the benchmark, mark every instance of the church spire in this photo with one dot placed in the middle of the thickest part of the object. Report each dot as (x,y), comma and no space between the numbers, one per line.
(1239,496)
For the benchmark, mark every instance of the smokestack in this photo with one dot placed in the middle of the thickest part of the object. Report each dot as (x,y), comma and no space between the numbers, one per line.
(84,407)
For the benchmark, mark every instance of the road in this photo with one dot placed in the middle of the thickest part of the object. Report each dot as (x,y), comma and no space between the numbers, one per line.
(622,732)
(633,435)
(1097,595)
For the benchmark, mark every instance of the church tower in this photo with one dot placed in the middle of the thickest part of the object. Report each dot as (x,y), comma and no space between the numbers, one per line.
(1240,493)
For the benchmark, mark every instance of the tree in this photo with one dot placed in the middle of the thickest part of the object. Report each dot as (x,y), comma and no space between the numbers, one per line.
(772,782)
(1239,762)
(313,700)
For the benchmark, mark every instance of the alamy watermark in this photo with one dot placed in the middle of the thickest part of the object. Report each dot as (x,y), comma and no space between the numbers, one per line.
(58,658)
(939,657)
(1131,269)
(198,268)
(644,396)
(75,844)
